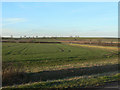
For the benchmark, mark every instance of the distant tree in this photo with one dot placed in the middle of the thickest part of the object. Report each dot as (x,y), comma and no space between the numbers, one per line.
(99,41)
(90,41)
(20,36)
(44,36)
(111,42)
(36,36)
(25,36)
(11,36)
(75,39)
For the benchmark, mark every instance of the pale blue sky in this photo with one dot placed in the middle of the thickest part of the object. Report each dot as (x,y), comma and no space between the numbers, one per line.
(60,18)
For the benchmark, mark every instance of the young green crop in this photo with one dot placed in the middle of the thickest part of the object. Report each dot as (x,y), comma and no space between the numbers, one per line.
(36,54)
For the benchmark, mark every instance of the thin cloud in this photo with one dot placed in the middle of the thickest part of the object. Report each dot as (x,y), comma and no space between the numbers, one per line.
(35,5)
(8,21)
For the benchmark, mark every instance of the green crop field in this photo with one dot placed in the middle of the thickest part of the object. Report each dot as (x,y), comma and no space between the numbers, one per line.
(52,54)
(47,61)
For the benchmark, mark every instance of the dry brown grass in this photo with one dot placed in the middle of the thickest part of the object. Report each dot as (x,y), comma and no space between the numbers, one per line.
(12,75)
(94,46)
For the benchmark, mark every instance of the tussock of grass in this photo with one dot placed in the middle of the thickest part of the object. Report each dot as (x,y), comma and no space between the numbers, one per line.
(11,74)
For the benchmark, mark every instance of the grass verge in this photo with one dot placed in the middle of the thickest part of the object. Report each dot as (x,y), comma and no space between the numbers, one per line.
(80,82)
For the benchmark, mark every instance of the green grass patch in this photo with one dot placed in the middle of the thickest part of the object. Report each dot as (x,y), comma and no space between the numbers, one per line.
(32,54)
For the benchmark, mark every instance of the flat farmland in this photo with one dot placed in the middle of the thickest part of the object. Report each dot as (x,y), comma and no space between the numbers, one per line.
(41,62)
(52,54)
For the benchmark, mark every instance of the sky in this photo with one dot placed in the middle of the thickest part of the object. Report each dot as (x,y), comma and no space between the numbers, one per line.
(83,19)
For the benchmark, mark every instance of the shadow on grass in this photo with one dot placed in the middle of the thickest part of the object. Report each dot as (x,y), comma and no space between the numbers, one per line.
(60,74)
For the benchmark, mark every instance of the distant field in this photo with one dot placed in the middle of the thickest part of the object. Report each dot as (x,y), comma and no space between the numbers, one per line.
(52,61)
(78,40)
(54,39)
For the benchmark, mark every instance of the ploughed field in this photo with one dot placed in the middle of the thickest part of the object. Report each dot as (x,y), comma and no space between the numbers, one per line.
(69,64)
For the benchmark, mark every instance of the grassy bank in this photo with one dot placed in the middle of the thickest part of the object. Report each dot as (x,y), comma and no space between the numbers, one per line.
(79,82)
